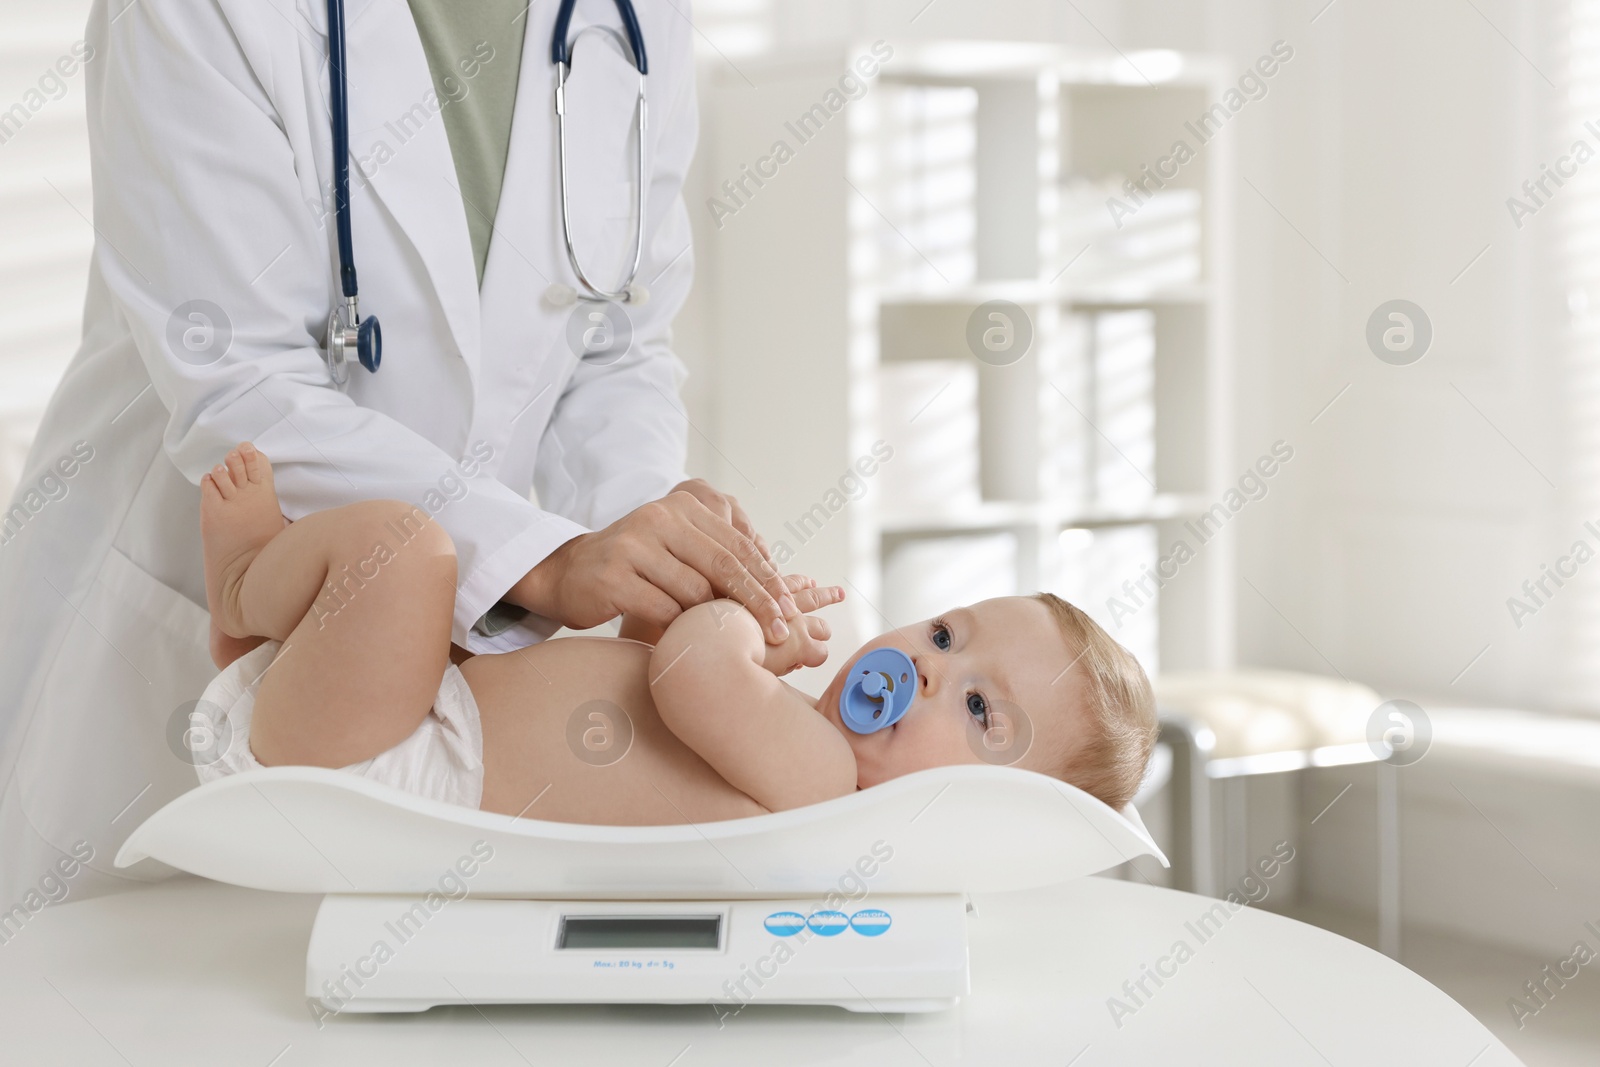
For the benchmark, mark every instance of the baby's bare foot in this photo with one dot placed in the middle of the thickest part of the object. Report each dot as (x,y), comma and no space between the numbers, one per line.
(238,515)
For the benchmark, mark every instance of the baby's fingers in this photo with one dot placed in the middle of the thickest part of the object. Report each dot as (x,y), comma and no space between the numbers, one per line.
(814,642)
(816,596)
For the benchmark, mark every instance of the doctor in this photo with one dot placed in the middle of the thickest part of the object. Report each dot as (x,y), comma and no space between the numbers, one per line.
(215,270)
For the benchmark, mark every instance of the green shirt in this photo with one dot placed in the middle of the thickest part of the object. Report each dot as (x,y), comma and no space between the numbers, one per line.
(474,50)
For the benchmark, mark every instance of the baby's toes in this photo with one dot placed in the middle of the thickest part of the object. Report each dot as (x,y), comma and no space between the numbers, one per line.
(235,464)
(208,488)
(223,481)
(255,464)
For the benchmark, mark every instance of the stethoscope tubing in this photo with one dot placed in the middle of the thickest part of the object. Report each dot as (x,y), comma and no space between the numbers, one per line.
(338,92)
(623,293)
(346,329)
(561,48)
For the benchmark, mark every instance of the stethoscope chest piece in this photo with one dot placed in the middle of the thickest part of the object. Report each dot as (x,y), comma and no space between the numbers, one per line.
(879,690)
(351,335)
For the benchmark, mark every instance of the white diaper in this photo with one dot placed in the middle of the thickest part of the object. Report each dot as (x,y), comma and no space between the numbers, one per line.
(442,759)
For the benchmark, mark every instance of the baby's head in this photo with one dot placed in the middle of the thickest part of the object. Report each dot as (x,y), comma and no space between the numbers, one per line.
(1029,682)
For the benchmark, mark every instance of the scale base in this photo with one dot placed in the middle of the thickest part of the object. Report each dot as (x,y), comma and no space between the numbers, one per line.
(903,953)
(886,1006)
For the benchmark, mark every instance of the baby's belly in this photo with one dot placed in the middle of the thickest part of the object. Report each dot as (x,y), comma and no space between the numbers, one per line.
(570,734)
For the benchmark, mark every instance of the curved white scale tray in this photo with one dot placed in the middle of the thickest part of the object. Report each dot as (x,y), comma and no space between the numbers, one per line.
(970,828)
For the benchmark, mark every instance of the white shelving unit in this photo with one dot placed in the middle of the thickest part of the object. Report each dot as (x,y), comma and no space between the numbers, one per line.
(842,290)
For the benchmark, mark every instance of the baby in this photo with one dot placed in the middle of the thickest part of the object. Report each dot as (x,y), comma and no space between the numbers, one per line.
(334,636)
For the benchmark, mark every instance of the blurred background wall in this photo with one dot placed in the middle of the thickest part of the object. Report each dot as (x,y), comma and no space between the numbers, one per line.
(1377,167)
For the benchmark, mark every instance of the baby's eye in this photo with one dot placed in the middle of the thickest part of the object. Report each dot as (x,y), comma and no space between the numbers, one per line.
(941,637)
(978,707)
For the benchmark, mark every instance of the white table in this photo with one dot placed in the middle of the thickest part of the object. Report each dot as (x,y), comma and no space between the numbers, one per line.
(196,972)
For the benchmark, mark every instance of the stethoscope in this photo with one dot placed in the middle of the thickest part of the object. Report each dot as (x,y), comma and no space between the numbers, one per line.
(347,331)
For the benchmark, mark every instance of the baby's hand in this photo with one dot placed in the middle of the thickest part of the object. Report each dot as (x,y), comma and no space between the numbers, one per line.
(806,645)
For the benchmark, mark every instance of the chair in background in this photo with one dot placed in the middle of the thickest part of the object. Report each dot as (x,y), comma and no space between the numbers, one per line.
(1229,726)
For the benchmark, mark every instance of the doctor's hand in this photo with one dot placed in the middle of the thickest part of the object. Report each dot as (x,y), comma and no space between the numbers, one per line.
(727,508)
(653,563)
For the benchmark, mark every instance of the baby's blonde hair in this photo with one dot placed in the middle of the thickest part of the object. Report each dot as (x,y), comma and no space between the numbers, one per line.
(1108,759)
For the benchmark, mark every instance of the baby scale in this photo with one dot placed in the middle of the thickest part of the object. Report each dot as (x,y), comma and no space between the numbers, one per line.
(860,901)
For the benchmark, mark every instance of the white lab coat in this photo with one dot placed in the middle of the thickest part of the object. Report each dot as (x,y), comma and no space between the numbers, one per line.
(210,136)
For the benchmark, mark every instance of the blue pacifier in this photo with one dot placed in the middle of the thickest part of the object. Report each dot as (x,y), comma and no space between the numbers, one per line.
(880,690)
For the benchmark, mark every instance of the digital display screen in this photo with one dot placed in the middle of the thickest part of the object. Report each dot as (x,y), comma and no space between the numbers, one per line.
(640,931)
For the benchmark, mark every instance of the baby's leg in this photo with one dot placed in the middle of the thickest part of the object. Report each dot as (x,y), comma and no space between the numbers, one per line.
(361,597)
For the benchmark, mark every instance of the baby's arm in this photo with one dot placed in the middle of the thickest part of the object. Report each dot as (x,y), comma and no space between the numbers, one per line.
(634,628)
(764,737)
